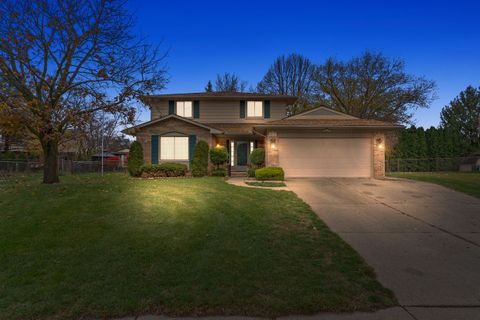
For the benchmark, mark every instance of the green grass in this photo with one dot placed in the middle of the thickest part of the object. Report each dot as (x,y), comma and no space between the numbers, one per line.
(467,182)
(117,246)
(269,184)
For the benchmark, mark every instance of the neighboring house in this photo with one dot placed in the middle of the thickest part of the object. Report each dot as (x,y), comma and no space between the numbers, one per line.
(107,156)
(123,155)
(317,143)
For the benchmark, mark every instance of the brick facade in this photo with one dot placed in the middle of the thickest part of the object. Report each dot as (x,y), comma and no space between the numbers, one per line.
(169,126)
(271,149)
(379,155)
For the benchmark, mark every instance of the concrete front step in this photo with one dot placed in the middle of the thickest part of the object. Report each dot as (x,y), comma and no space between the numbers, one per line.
(238,174)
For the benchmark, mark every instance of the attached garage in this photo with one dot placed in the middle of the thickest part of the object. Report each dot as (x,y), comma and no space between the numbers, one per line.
(326,157)
(322,142)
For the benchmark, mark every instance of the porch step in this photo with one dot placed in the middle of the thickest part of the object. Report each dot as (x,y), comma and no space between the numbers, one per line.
(238,174)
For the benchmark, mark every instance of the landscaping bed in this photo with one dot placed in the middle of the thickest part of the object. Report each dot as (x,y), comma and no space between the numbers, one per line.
(267,184)
(93,247)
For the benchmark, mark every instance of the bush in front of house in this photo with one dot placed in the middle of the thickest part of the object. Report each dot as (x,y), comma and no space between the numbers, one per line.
(219,172)
(167,169)
(251,172)
(257,157)
(218,156)
(270,173)
(135,159)
(200,159)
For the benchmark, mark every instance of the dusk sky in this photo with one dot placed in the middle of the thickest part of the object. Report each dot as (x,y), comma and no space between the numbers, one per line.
(439,39)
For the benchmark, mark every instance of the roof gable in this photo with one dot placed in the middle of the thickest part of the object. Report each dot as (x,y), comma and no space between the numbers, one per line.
(132,130)
(322,113)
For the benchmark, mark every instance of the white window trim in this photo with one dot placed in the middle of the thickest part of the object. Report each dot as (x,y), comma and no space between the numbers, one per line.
(181,108)
(177,143)
(257,109)
(232,153)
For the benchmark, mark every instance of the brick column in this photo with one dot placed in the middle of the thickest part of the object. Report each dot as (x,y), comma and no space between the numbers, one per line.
(271,149)
(379,155)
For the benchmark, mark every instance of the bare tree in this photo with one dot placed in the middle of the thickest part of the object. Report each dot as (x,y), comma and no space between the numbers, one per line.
(289,75)
(373,86)
(65,59)
(230,82)
(88,134)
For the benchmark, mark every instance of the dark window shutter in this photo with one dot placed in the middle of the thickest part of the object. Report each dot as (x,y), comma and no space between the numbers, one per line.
(266,109)
(196,109)
(154,153)
(171,107)
(242,109)
(192,142)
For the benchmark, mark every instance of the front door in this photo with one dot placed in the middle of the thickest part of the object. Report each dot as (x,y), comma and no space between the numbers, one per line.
(242,153)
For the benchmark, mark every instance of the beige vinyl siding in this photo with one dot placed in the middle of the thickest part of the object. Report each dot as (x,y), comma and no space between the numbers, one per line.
(222,111)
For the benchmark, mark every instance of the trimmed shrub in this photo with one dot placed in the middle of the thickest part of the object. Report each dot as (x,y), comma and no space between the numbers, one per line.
(167,169)
(219,172)
(269,173)
(200,159)
(251,172)
(135,159)
(257,157)
(218,156)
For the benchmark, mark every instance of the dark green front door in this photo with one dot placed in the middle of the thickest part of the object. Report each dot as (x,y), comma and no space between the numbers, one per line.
(242,153)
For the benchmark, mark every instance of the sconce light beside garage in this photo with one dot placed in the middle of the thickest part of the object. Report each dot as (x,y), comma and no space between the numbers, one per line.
(379,142)
(218,145)
(273,143)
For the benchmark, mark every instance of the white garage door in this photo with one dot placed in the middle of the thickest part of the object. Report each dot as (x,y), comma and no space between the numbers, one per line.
(326,157)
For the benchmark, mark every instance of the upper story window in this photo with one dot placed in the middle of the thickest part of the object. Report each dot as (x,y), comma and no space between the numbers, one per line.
(184,109)
(254,109)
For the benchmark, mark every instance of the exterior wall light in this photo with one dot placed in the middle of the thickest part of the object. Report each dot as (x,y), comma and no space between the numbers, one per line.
(273,142)
(218,145)
(379,143)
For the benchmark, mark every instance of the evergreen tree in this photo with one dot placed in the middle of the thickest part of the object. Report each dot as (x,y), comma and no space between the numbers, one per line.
(462,116)
(135,159)
(209,87)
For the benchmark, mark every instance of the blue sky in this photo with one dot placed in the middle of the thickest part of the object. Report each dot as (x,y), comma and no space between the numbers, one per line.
(437,39)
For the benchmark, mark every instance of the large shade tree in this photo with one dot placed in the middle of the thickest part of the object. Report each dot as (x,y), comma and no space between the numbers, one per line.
(463,116)
(290,75)
(372,86)
(230,82)
(63,60)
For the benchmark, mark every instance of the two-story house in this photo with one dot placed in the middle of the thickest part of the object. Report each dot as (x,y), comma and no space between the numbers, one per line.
(317,143)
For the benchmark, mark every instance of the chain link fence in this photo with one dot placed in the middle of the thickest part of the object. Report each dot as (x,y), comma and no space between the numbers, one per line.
(432,164)
(65,167)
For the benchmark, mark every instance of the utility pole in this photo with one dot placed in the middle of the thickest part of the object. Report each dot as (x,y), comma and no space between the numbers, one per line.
(102,124)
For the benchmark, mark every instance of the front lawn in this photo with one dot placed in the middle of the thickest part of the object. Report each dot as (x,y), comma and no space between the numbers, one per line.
(111,247)
(467,182)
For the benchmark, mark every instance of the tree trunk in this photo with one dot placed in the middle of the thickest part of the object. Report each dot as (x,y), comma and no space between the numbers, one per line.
(50,167)
(6,146)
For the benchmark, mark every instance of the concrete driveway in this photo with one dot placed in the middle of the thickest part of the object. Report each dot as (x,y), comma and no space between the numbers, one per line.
(423,240)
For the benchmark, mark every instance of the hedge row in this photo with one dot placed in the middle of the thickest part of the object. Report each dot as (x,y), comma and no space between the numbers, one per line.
(167,169)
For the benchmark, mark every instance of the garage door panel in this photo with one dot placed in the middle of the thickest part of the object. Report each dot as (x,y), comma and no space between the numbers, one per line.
(326,157)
